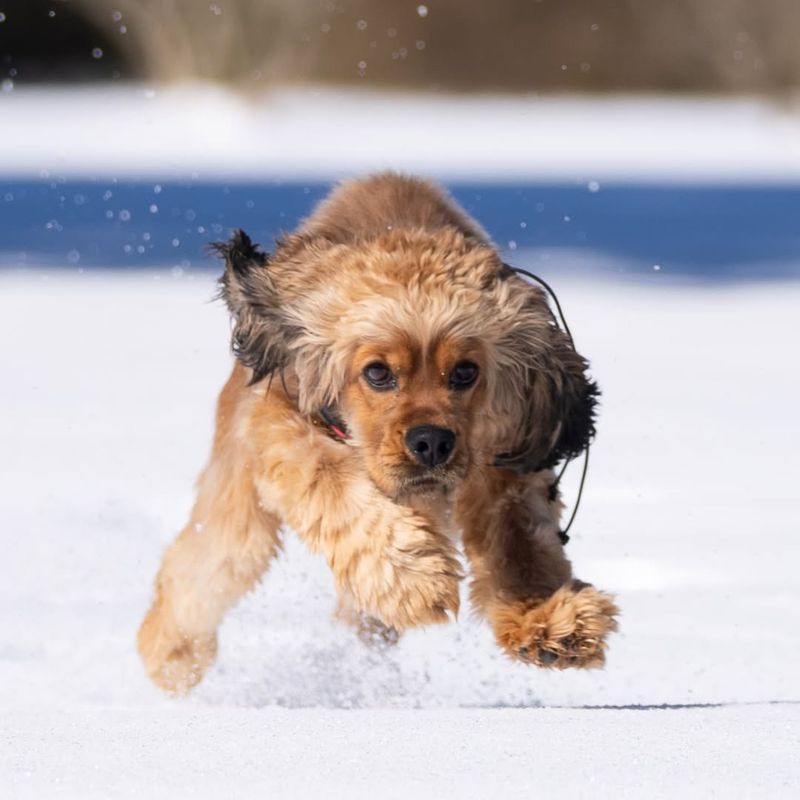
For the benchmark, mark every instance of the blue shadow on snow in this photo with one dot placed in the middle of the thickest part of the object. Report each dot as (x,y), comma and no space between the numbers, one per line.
(708,233)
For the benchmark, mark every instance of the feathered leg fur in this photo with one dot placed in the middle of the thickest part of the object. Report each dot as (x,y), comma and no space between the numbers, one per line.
(521,579)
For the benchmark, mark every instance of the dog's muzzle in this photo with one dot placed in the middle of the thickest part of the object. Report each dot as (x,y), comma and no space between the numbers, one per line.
(430,445)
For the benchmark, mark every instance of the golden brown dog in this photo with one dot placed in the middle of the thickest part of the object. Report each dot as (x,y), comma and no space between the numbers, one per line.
(395,383)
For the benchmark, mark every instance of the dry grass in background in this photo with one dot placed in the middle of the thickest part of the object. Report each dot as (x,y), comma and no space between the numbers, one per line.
(462,45)
(519,45)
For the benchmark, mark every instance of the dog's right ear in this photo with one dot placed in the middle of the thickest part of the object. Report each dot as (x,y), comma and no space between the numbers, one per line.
(260,336)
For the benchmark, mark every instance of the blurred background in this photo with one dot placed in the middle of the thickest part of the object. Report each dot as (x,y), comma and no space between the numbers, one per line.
(660,134)
(448,45)
(642,157)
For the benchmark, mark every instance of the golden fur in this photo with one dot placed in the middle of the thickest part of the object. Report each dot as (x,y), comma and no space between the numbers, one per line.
(388,272)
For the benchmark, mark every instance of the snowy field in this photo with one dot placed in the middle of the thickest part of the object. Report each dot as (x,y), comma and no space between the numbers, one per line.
(690,516)
(312,132)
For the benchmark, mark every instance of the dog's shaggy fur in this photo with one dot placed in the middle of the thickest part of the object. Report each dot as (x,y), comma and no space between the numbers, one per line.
(388,315)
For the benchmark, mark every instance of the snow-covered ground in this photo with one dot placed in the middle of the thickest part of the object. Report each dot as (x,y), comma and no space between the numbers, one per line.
(690,515)
(206,132)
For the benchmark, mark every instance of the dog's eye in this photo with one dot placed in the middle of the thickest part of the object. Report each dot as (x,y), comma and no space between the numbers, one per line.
(464,374)
(379,376)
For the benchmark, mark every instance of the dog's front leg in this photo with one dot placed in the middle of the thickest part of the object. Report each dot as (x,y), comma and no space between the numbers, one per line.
(522,580)
(388,560)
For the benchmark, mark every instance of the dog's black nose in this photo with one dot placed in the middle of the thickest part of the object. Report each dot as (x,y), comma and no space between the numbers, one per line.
(430,445)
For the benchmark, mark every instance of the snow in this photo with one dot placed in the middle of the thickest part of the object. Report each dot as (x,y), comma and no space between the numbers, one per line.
(729,752)
(204,132)
(690,516)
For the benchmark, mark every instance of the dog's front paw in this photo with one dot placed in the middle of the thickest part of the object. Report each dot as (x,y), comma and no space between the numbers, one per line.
(567,629)
(426,576)
(426,592)
(174,661)
(411,580)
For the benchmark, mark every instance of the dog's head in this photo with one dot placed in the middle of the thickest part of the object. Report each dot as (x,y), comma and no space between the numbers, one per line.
(435,355)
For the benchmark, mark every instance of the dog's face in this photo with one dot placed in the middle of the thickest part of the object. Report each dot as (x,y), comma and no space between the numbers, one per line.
(411,406)
(433,354)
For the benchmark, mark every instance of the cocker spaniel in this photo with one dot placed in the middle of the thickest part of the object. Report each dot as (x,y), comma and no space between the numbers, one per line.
(395,384)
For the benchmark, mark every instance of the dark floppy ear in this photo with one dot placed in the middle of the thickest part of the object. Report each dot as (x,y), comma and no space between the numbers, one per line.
(558,404)
(260,336)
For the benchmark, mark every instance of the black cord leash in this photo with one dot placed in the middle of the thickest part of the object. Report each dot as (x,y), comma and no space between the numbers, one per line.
(563,533)
(546,286)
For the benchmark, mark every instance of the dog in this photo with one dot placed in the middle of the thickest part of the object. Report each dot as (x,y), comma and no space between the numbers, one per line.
(395,384)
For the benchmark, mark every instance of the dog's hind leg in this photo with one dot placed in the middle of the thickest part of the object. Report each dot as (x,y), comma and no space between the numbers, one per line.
(521,578)
(220,554)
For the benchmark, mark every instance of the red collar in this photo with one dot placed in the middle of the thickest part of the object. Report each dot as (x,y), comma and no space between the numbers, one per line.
(335,423)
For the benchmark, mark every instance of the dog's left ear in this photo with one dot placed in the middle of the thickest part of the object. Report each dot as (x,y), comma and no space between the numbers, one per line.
(261,336)
(558,400)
